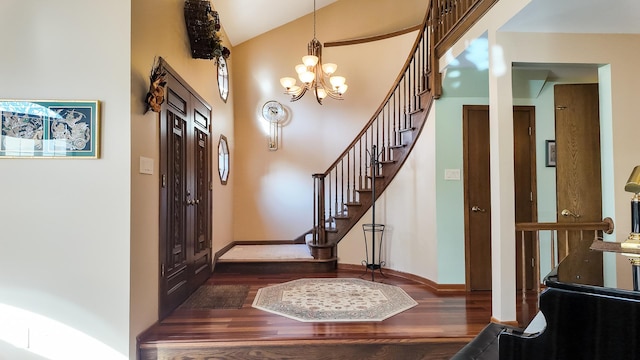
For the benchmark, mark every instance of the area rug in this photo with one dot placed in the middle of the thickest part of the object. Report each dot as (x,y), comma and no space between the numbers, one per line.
(217,297)
(333,300)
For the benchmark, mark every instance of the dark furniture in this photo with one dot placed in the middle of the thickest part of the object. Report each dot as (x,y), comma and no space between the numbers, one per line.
(583,322)
(485,345)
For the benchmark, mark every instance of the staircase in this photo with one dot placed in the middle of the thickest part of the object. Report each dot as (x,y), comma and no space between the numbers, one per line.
(343,193)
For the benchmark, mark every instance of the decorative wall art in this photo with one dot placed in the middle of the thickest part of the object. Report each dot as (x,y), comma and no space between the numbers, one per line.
(157,82)
(203,25)
(49,129)
(203,29)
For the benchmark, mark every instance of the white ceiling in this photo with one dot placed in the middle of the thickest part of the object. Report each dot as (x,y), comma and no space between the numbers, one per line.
(245,19)
(578,16)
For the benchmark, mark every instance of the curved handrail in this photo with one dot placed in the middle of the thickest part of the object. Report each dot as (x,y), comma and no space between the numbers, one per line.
(397,81)
(343,193)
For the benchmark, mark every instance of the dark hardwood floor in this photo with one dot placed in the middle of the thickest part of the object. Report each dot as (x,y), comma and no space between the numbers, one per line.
(436,328)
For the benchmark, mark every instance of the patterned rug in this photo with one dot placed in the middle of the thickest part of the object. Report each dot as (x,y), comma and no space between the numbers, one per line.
(333,300)
(217,297)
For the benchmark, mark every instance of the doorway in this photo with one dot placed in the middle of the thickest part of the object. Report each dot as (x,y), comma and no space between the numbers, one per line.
(477,193)
(185,193)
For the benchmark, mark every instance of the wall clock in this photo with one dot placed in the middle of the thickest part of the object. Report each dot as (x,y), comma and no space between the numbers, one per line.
(273,111)
(223,78)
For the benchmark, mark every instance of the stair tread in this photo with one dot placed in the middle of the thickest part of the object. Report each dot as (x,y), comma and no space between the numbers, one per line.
(407,129)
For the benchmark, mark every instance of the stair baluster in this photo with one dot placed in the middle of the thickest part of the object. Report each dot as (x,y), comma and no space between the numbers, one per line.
(340,202)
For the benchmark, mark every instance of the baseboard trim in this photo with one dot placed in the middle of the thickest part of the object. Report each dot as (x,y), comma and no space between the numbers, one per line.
(509,323)
(439,288)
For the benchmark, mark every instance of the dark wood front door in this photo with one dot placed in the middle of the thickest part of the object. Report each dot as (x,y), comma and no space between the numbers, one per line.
(185,232)
(477,200)
(578,181)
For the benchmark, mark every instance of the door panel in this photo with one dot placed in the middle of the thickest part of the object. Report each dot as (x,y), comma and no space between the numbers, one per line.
(478,195)
(525,195)
(578,178)
(173,240)
(200,206)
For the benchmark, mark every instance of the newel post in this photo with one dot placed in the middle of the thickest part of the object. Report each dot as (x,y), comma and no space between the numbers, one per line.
(318,210)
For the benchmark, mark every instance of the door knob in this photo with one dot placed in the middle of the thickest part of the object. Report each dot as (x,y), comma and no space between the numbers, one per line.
(477,208)
(567,212)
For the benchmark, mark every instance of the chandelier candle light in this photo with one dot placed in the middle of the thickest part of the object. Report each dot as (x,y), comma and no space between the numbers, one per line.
(314,75)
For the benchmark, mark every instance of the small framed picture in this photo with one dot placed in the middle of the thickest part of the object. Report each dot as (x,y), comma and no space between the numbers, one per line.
(550,153)
(49,129)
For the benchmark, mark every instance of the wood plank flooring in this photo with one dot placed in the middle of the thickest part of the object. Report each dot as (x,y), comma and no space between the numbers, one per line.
(435,329)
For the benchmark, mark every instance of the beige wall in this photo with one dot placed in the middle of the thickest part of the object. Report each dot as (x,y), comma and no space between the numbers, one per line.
(64,224)
(158,29)
(407,209)
(273,189)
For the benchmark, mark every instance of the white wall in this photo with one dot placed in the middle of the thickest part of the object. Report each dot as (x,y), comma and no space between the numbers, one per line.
(64,224)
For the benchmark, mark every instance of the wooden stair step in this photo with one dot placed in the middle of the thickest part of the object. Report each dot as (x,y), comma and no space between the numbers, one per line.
(416,111)
(263,258)
(407,129)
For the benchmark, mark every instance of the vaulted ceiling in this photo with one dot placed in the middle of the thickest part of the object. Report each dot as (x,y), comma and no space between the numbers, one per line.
(245,19)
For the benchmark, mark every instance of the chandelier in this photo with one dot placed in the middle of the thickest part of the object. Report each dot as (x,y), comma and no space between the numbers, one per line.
(314,75)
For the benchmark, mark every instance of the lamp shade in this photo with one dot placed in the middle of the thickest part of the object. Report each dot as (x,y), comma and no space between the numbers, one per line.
(322,93)
(287,82)
(307,77)
(300,68)
(329,68)
(337,81)
(310,60)
(294,89)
